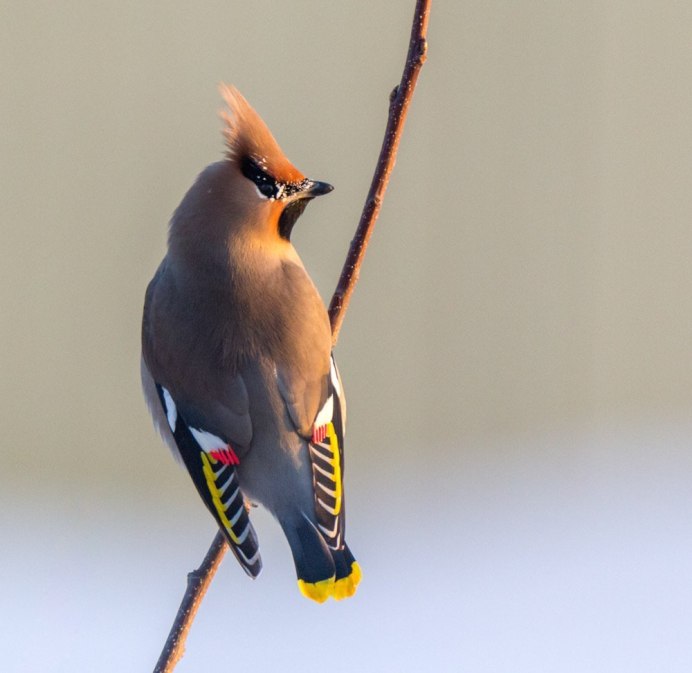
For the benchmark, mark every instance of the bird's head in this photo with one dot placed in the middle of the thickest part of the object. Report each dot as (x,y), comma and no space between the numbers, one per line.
(273,192)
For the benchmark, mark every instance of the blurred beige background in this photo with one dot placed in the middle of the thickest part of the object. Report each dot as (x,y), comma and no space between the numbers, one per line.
(516,357)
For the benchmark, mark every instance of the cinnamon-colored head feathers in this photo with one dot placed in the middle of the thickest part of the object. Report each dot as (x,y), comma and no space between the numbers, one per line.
(247,136)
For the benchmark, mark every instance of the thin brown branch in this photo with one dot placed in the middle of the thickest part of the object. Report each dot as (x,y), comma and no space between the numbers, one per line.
(198,581)
(399,102)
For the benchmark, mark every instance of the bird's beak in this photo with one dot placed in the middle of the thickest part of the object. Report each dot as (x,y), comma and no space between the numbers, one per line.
(297,202)
(314,188)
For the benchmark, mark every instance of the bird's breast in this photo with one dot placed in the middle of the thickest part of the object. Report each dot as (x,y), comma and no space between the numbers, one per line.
(274,310)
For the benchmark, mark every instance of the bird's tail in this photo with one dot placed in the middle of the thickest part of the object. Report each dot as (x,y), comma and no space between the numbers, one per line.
(348,573)
(322,572)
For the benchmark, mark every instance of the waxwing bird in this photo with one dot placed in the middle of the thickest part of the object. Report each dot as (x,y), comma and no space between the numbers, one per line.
(237,367)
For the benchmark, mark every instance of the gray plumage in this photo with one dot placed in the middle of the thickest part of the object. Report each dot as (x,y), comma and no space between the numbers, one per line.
(236,349)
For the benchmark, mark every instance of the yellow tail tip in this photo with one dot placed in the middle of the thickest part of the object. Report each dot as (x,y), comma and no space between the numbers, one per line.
(317,591)
(346,586)
(337,589)
(356,573)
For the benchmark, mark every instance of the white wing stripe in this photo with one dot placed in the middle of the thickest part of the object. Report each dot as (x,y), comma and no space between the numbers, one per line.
(326,413)
(329,475)
(244,534)
(234,520)
(335,378)
(249,561)
(207,442)
(222,490)
(171,410)
(328,491)
(326,531)
(337,543)
(331,510)
(230,502)
(322,454)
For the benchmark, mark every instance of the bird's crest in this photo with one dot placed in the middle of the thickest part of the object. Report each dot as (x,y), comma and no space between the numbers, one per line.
(247,136)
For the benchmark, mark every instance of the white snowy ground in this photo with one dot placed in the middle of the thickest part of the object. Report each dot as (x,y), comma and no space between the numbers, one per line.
(578,560)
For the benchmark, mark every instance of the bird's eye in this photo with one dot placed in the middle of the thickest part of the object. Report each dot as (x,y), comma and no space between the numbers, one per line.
(266,189)
(264,182)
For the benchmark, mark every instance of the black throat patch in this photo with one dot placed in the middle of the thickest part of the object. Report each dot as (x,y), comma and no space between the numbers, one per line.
(289,216)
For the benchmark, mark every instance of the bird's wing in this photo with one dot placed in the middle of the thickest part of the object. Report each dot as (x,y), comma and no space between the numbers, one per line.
(302,361)
(327,458)
(303,397)
(211,462)
(205,420)
(180,354)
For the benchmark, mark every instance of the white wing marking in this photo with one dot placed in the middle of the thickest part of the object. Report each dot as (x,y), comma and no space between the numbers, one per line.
(171,410)
(326,413)
(207,442)
(335,378)
(223,488)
